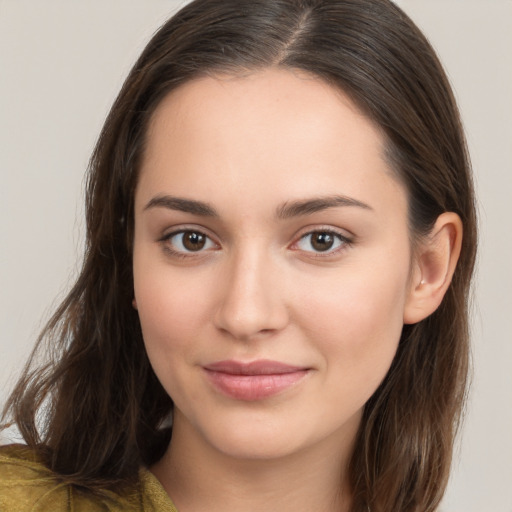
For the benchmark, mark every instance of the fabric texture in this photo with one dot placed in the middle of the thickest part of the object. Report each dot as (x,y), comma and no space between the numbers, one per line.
(26,485)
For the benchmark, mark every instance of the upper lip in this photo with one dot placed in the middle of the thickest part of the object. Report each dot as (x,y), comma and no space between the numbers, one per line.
(260,367)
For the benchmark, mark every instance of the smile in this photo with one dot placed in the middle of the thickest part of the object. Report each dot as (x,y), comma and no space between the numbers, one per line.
(253,381)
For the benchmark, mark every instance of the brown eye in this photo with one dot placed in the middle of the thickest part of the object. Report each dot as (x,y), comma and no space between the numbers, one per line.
(322,242)
(189,241)
(193,241)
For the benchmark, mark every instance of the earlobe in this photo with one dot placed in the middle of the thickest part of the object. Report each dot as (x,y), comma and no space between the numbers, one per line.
(134,303)
(434,265)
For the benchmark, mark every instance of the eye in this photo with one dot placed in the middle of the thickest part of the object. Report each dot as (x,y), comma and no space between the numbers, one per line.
(188,241)
(321,242)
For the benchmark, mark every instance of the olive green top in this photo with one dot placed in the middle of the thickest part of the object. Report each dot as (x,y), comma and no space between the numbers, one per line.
(27,485)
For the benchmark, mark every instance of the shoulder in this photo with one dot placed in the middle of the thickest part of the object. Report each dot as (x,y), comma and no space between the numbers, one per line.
(28,485)
(25,483)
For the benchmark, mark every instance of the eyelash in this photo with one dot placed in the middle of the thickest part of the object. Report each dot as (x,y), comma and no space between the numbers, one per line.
(166,242)
(342,240)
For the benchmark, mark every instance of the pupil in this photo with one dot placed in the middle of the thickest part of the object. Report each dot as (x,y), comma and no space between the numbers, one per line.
(322,241)
(194,241)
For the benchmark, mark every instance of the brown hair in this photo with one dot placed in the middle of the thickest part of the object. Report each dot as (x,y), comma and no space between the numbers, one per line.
(102,405)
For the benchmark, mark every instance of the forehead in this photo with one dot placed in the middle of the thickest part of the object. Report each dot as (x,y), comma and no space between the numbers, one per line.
(278,133)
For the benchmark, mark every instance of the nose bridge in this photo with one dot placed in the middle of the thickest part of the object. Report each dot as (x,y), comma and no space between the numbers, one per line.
(252,297)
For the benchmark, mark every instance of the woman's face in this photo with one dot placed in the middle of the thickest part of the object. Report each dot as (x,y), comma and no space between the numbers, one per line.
(271,261)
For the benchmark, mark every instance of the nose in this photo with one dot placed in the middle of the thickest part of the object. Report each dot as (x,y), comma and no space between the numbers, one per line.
(252,297)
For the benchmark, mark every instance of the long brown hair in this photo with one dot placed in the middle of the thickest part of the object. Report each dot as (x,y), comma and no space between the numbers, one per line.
(95,411)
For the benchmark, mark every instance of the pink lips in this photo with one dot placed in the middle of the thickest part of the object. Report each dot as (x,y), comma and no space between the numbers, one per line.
(253,381)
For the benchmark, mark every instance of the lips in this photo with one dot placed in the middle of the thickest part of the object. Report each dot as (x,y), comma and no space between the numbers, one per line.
(253,381)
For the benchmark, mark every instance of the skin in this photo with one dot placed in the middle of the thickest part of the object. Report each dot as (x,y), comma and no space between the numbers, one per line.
(249,147)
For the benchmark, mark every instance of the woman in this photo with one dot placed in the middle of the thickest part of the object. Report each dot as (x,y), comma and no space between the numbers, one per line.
(280,242)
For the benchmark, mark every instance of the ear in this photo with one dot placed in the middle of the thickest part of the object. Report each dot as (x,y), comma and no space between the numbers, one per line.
(433,267)
(134,303)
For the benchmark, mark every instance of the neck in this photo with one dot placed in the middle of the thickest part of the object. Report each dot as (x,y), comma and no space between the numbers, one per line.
(198,477)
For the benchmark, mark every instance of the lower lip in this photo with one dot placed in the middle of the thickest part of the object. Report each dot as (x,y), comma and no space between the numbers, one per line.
(253,387)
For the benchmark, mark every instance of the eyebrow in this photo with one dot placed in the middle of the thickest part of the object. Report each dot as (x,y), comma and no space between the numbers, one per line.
(183,205)
(286,211)
(309,206)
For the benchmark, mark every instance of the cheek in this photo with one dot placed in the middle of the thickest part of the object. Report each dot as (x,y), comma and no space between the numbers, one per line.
(170,305)
(166,335)
(171,308)
(357,326)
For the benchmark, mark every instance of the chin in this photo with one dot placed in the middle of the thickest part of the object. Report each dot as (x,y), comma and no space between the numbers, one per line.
(259,447)
(263,438)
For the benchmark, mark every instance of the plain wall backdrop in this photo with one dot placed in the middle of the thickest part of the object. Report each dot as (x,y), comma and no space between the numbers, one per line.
(61,65)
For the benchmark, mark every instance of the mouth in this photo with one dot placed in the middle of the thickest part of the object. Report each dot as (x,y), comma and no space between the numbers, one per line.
(253,381)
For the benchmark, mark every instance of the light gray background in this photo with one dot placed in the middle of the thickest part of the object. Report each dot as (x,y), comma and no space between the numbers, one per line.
(61,65)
